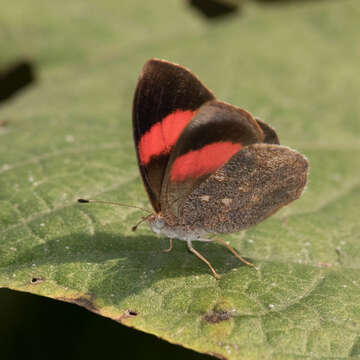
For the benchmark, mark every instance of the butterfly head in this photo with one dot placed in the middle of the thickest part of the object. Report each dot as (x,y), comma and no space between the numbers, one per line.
(157,223)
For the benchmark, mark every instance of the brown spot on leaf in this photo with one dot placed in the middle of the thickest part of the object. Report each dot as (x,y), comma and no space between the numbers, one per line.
(132,312)
(86,302)
(36,280)
(127,314)
(219,356)
(215,316)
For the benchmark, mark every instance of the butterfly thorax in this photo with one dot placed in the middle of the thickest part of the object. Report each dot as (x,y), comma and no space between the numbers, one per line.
(159,225)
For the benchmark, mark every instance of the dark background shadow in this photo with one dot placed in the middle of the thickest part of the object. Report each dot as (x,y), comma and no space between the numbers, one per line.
(218,9)
(286,2)
(213,9)
(16,77)
(35,327)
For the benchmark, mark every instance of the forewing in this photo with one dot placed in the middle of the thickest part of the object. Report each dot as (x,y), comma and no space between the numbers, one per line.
(166,98)
(215,134)
(255,183)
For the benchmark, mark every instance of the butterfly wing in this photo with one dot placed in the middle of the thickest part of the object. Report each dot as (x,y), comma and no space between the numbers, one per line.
(166,98)
(255,183)
(270,136)
(214,135)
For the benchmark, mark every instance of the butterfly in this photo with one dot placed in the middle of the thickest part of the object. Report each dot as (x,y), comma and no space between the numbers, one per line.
(208,167)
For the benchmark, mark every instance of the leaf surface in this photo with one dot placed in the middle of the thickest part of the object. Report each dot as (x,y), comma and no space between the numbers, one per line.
(295,65)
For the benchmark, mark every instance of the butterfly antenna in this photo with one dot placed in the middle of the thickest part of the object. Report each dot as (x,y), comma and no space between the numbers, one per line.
(134,228)
(112,203)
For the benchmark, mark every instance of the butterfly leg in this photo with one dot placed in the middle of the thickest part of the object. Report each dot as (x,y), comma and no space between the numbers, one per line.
(169,248)
(234,252)
(203,259)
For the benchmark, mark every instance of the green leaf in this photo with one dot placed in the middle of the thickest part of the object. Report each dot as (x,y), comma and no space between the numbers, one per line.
(296,65)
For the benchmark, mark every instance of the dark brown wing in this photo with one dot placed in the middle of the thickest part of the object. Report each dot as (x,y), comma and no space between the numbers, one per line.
(214,135)
(166,98)
(270,136)
(255,183)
